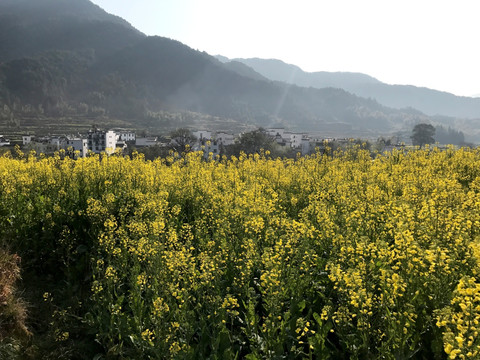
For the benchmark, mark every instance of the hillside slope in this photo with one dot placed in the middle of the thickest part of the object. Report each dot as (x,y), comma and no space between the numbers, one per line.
(28,27)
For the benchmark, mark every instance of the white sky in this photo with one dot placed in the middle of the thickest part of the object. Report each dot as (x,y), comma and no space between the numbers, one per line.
(431,43)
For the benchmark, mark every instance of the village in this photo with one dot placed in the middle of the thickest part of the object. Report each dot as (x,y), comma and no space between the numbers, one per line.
(111,141)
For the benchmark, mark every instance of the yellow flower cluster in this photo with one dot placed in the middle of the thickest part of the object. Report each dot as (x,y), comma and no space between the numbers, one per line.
(462,321)
(230,304)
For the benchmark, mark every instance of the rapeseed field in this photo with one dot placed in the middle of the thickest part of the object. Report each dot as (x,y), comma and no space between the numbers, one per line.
(329,256)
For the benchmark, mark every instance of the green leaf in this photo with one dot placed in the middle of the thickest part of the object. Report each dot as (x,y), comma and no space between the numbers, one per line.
(301,305)
(318,319)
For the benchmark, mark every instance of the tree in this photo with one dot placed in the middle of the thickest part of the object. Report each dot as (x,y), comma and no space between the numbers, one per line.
(252,142)
(423,134)
(182,139)
(449,136)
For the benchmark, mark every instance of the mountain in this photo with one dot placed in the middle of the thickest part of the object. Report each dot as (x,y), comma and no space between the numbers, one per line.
(278,70)
(70,62)
(28,27)
(173,76)
(431,102)
(244,70)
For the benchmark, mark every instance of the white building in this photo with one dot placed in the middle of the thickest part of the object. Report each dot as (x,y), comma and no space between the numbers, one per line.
(27,139)
(209,147)
(101,141)
(126,136)
(44,144)
(56,142)
(296,139)
(286,138)
(77,144)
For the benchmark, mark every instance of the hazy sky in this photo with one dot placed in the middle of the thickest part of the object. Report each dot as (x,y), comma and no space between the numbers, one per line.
(431,43)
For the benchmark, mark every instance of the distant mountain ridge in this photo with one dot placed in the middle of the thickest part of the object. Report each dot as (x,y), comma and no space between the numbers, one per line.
(278,70)
(431,102)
